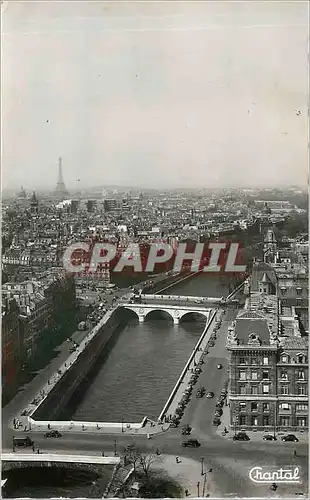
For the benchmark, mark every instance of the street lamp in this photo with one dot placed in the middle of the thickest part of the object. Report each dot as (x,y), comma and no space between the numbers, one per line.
(202,460)
(122,424)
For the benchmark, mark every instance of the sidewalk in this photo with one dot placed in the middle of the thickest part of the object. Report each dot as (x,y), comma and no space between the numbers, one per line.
(149,428)
(188,474)
(253,435)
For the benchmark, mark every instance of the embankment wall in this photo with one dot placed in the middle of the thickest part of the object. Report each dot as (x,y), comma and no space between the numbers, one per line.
(69,382)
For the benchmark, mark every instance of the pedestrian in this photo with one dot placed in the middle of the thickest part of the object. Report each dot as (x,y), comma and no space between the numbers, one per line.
(294,453)
(102,454)
(38,451)
(33,448)
(177,460)
(225,430)
(186,493)
(48,426)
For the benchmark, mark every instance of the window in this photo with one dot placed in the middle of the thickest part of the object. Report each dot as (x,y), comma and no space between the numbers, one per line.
(265,375)
(266,420)
(242,375)
(242,389)
(254,421)
(241,361)
(302,407)
(284,406)
(301,390)
(284,359)
(254,375)
(283,376)
(242,420)
(301,375)
(302,422)
(266,406)
(266,389)
(254,361)
(254,406)
(284,421)
(284,389)
(265,361)
(254,389)
(242,406)
(298,291)
(301,358)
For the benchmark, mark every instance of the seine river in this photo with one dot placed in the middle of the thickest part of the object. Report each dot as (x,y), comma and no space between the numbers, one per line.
(145,363)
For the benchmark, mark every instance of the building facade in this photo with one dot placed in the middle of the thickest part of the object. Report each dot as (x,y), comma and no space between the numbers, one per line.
(268,369)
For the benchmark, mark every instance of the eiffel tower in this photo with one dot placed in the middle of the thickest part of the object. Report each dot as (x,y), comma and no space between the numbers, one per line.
(61,189)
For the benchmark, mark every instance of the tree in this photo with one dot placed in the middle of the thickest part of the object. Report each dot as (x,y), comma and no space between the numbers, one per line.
(132,455)
(146,462)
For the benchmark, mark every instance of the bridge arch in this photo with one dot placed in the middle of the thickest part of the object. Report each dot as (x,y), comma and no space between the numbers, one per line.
(203,316)
(131,312)
(163,312)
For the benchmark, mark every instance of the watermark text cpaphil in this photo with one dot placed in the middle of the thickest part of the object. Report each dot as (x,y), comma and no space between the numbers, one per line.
(214,257)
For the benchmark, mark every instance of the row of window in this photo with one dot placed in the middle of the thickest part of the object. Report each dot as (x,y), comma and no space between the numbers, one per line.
(300,374)
(266,406)
(301,358)
(283,421)
(301,390)
(284,289)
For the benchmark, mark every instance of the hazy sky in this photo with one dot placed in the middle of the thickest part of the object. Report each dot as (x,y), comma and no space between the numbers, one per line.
(155,94)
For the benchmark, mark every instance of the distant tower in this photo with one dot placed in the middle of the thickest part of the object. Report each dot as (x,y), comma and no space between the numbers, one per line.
(61,189)
(34,204)
(270,247)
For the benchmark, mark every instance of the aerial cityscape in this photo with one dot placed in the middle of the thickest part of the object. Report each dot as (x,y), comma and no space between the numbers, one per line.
(154,294)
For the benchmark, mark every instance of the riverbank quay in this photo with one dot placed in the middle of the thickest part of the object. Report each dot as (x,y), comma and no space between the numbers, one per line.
(196,356)
(23,418)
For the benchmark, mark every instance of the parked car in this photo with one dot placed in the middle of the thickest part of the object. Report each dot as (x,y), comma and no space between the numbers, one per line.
(191,443)
(53,434)
(216,421)
(241,436)
(269,437)
(290,437)
(23,442)
(186,430)
(219,366)
(210,395)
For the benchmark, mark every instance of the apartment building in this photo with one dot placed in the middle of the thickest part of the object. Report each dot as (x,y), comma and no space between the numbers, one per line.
(268,371)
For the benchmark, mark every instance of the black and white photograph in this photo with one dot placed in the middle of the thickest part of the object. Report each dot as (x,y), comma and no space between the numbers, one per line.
(154,249)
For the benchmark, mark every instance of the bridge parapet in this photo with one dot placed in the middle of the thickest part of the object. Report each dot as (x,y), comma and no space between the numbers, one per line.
(176,312)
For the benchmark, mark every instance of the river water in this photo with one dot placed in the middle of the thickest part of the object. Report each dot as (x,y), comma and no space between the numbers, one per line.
(145,362)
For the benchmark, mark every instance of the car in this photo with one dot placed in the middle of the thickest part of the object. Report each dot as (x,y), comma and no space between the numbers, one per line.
(186,430)
(216,421)
(290,437)
(210,395)
(241,436)
(23,442)
(53,434)
(191,443)
(219,366)
(269,437)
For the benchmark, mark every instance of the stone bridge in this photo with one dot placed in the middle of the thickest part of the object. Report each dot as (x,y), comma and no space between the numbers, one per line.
(176,312)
